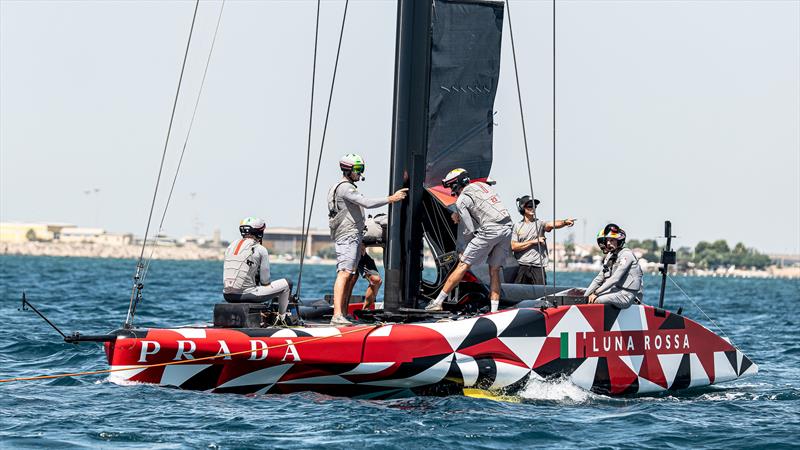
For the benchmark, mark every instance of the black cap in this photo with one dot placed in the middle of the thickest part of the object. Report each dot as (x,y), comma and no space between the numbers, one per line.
(522,201)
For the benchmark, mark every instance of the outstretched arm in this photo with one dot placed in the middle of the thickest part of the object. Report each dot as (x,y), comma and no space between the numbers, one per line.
(353,196)
(550,226)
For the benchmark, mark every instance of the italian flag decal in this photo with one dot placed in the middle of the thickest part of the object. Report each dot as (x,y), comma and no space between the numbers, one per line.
(568,345)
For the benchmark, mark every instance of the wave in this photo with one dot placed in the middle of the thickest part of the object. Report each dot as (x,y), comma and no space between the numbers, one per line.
(560,390)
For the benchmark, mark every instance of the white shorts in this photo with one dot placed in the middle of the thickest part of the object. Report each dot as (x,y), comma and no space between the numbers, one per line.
(492,245)
(348,253)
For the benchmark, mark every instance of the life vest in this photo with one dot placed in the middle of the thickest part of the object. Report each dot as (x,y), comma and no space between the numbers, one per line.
(341,220)
(240,269)
(633,279)
(486,207)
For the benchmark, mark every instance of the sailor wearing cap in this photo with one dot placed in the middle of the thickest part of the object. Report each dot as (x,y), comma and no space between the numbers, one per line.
(529,244)
(487,230)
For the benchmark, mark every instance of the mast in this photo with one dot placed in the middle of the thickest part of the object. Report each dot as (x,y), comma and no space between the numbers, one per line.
(667,258)
(403,257)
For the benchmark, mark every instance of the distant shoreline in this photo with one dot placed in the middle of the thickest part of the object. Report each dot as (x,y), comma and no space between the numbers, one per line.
(90,250)
(192,252)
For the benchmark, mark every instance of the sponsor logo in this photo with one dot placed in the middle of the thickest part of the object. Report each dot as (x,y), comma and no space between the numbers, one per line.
(186,349)
(588,344)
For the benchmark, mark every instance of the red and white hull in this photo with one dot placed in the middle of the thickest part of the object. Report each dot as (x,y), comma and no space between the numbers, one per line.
(600,348)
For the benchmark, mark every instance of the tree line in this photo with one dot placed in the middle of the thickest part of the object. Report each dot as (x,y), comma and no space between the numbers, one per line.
(707,255)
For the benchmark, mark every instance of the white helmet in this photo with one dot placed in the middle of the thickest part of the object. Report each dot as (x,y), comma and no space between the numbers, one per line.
(455,180)
(252,226)
(352,162)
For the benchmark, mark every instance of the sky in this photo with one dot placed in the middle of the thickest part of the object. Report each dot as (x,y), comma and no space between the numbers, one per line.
(679,110)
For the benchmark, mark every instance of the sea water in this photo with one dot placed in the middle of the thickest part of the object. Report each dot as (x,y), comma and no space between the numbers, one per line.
(91,295)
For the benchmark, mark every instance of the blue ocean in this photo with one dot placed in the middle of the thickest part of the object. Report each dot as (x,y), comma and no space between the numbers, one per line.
(762,317)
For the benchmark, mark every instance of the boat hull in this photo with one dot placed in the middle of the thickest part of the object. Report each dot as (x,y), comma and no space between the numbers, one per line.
(598,347)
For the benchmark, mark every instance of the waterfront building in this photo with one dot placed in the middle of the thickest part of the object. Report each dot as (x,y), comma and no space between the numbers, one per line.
(19,232)
(290,240)
(213,241)
(27,231)
(94,236)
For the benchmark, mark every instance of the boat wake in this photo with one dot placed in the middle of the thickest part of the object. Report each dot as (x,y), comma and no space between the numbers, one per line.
(119,381)
(560,390)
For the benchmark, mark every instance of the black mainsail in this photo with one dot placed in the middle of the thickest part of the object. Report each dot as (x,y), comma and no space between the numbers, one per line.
(465,67)
(447,66)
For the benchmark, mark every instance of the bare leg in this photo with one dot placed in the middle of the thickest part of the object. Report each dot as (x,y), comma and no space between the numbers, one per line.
(348,293)
(452,281)
(339,291)
(455,277)
(375,282)
(494,282)
(494,288)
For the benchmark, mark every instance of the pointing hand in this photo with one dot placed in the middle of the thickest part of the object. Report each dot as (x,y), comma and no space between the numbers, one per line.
(398,196)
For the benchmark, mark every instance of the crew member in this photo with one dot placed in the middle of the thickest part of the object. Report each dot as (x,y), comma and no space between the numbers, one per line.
(529,244)
(620,281)
(487,233)
(346,220)
(246,270)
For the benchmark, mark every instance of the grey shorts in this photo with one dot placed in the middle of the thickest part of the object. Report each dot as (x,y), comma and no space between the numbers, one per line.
(348,253)
(492,245)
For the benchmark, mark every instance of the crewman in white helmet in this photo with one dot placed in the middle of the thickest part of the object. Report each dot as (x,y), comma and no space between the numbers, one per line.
(246,277)
(487,229)
(346,220)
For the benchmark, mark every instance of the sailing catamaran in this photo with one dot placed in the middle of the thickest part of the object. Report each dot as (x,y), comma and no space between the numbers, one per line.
(446,74)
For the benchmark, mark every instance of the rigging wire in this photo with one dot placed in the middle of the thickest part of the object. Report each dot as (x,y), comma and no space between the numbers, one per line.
(185,142)
(519,97)
(446,220)
(435,228)
(555,253)
(308,152)
(701,310)
(522,118)
(136,284)
(321,148)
